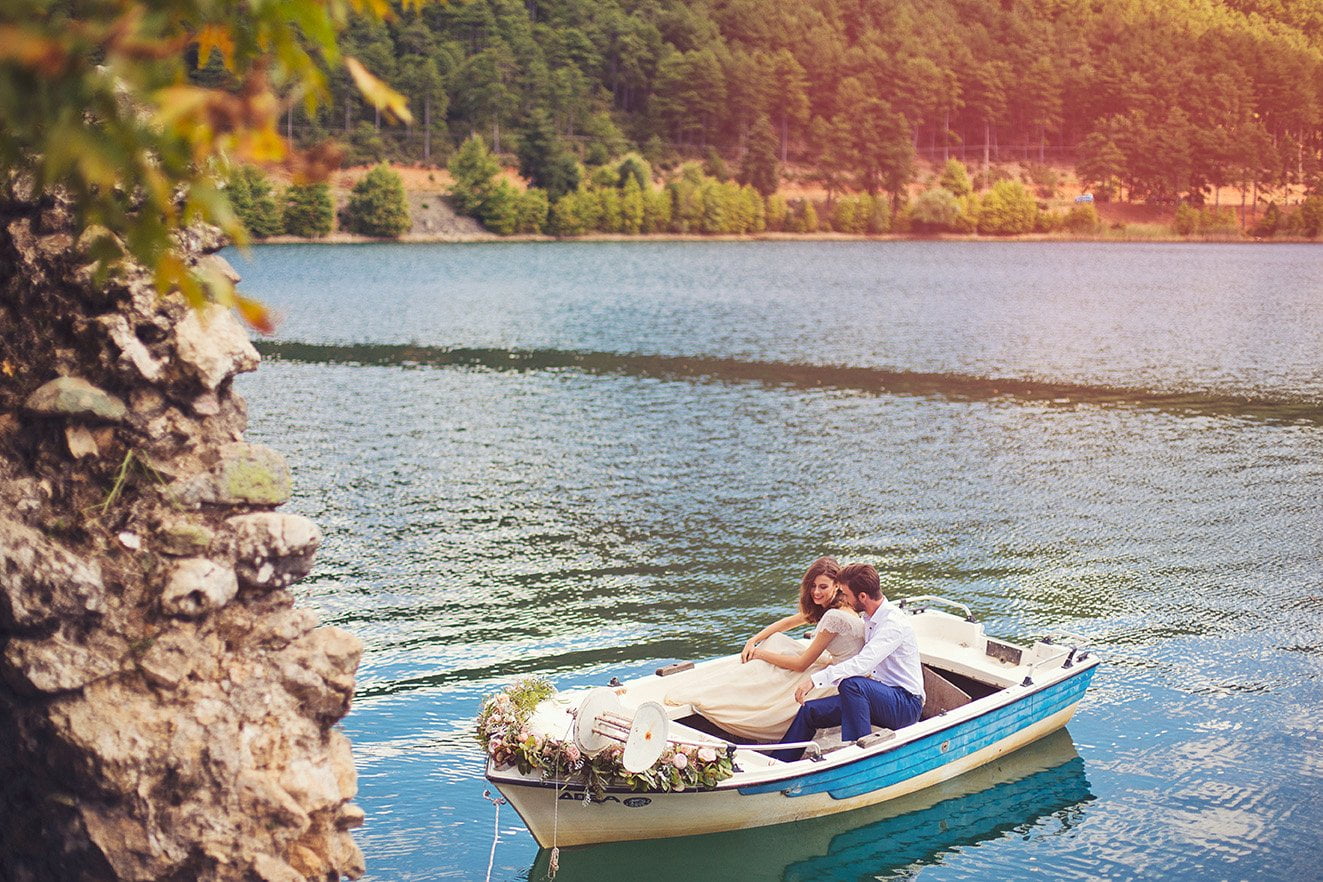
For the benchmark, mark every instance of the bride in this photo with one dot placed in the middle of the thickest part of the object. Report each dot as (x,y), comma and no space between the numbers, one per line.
(754,697)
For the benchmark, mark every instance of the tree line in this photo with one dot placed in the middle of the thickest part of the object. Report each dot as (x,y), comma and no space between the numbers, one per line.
(1162,102)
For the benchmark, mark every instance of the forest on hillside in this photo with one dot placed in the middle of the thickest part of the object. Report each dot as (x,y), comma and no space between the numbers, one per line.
(1158,100)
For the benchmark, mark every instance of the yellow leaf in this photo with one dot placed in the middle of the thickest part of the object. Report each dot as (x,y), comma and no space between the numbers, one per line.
(218,286)
(256,315)
(261,147)
(378,94)
(216,37)
(175,103)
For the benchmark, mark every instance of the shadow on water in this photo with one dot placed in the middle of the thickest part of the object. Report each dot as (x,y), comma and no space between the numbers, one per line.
(1043,780)
(956,387)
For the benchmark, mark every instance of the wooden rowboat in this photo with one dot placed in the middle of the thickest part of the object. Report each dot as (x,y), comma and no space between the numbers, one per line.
(986,698)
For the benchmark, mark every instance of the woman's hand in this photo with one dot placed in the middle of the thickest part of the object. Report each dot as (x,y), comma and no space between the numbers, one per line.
(750,648)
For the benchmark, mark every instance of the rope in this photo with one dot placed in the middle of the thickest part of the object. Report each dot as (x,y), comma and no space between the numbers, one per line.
(554,863)
(496,829)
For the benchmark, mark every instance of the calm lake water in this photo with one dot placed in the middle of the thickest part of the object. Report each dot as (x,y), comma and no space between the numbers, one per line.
(586,460)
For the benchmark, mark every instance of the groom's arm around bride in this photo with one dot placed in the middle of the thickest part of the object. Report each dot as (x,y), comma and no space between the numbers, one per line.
(882,685)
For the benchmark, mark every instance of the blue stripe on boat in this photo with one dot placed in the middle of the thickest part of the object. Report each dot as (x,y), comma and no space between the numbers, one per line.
(932,751)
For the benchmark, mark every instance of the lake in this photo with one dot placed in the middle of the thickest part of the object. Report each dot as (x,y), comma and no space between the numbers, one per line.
(584,460)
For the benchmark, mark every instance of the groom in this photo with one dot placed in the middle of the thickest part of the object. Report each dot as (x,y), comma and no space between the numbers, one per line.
(883,684)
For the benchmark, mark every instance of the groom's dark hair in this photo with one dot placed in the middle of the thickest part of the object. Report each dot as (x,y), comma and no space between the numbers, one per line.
(862,579)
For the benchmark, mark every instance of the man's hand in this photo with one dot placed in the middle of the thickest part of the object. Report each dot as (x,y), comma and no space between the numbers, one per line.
(805,687)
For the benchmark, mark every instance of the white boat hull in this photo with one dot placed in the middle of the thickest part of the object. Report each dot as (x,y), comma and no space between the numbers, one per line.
(1041,695)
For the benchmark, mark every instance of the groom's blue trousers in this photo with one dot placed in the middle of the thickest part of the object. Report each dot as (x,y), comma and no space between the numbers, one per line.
(859,704)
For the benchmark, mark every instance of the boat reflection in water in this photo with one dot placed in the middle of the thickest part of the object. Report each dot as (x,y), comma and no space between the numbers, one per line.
(1044,779)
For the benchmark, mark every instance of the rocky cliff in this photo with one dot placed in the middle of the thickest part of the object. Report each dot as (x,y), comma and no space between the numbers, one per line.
(166,711)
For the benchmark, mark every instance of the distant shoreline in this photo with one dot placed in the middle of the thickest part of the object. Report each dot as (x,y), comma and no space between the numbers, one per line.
(341,238)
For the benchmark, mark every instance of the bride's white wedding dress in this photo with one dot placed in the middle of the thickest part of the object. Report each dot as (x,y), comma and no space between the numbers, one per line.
(756,699)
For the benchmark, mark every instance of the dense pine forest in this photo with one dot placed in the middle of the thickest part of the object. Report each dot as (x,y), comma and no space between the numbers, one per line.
(1163,101)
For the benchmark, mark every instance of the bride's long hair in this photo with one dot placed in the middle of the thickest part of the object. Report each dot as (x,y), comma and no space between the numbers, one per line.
(823,566)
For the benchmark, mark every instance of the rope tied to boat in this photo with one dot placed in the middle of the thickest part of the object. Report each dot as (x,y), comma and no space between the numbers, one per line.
(497,801)
(562,784)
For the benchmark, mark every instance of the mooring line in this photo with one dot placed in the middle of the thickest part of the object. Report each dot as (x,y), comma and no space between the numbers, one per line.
(497,801)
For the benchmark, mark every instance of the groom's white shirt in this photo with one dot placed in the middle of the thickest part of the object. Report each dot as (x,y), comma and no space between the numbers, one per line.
(890,654)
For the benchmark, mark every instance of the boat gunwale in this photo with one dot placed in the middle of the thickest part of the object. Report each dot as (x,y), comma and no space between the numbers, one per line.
(886,747)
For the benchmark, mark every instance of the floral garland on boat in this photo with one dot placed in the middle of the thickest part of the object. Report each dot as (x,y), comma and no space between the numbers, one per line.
(502,730)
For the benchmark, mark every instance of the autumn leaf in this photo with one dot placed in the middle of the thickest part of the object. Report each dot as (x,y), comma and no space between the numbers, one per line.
(378,94)
(255,314)
(218,38)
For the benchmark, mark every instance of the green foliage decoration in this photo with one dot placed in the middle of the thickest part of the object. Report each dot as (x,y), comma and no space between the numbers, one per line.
(502,731)
(377,205)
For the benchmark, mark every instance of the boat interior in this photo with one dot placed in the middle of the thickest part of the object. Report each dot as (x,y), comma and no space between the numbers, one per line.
(960,665)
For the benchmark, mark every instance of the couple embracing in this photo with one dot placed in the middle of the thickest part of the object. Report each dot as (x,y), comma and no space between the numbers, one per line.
(855,673)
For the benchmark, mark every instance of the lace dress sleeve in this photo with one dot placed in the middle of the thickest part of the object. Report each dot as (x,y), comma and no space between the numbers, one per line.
(847,631)
(836,621)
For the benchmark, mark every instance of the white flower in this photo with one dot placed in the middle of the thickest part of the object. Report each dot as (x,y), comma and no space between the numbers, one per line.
(680,761)
(707,754)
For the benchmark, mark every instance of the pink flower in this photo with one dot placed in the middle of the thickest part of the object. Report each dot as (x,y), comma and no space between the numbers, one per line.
(680,761)
(572,753)
(707,754)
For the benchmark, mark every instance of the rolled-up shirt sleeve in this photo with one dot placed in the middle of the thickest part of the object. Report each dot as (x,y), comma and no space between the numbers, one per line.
(884,641)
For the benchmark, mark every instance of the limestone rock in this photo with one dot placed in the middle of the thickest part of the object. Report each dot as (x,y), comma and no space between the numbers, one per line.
(136,745)
(347,856)
(198,585)
(134,357)
(271,869)
(318,670)
(60,664)
(311,784)
(272,550)
(74,396)
(213,346)
(41,581)
(351,817)
(246,474)
(169,659)
(342,764)
(276,630)
(184,538)
(81,442)
(219,265)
